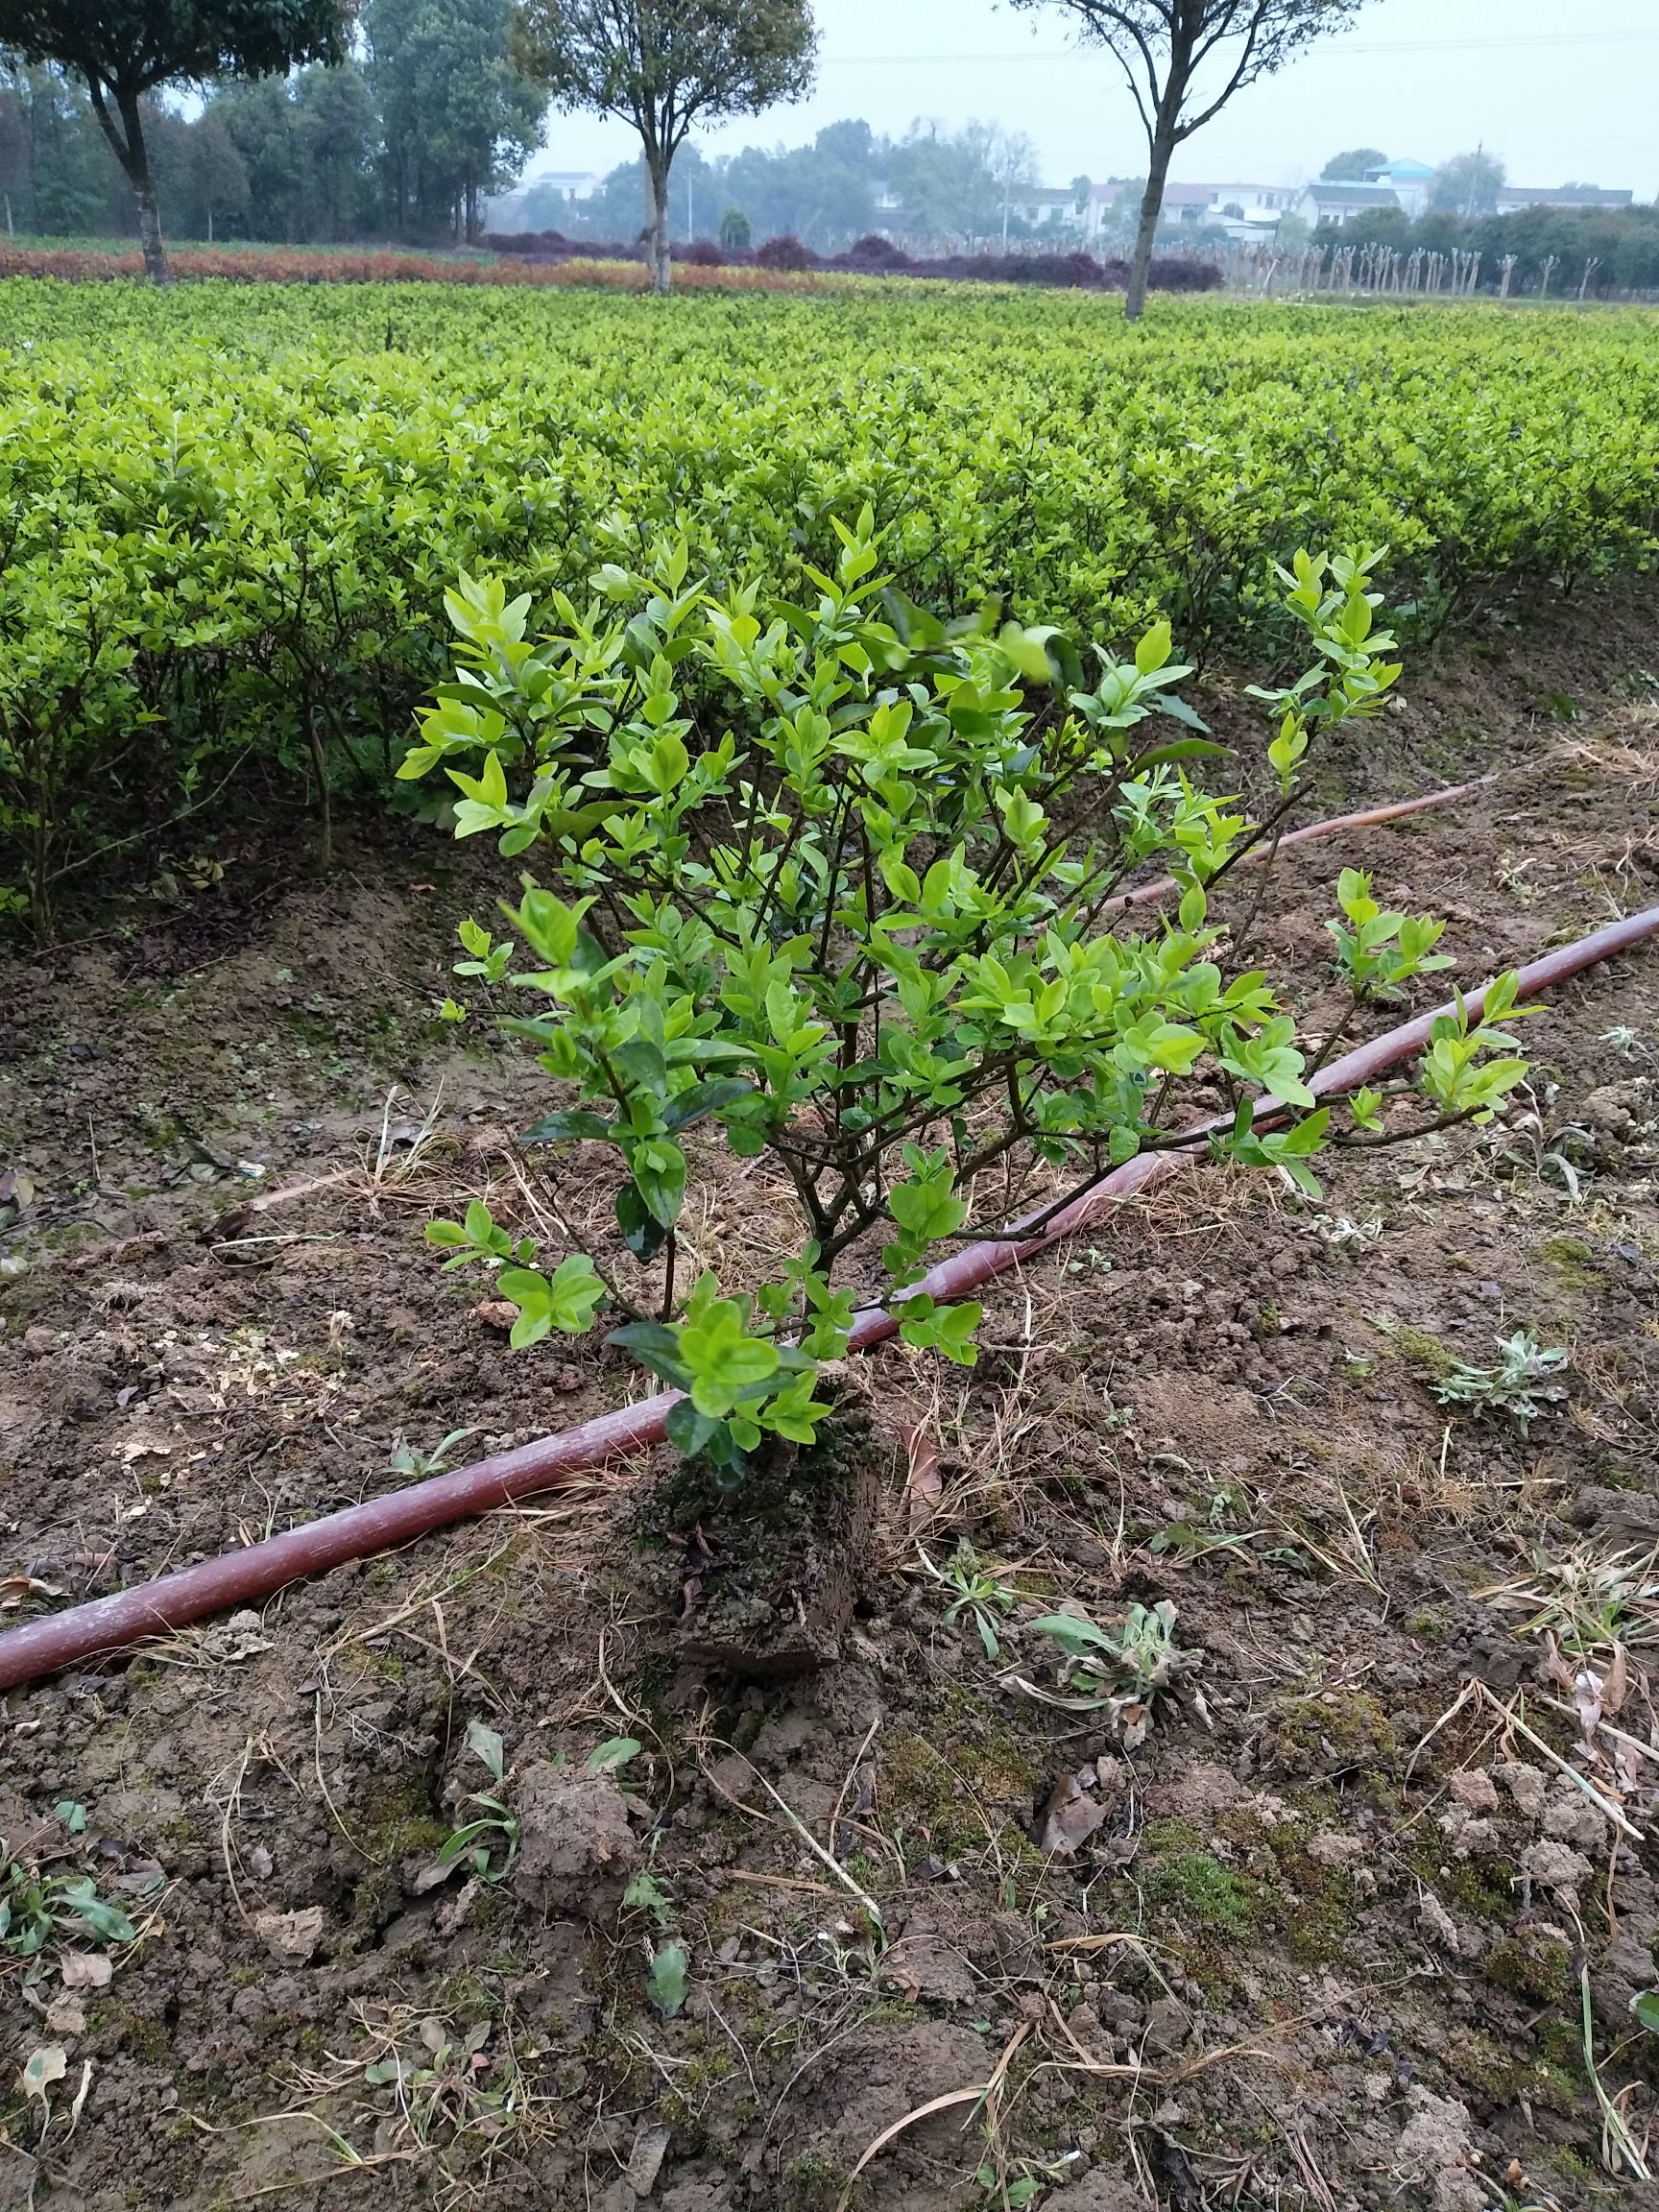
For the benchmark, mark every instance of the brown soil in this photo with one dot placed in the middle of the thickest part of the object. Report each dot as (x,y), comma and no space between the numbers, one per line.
(1314,1947)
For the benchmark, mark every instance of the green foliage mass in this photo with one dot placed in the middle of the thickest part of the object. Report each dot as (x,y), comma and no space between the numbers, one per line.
(842,883)
(229,516)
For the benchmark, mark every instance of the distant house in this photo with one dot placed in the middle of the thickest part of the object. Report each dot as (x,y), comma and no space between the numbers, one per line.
(578,183)
(1409,182)
(1341,204)
(1049,208)
(1512,198)
(1387,185)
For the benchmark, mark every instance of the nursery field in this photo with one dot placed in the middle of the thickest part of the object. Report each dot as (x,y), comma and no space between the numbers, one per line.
(1171,1732)
(230,512)
(1311,1943)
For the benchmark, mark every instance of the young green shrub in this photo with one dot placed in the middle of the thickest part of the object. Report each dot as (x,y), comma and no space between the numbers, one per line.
(839,880)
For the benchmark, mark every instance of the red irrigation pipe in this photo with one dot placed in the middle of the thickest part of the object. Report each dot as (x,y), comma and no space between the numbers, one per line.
(259,1570)
(1145,894)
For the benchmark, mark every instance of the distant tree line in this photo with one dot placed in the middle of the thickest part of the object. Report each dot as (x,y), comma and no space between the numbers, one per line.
(946,186)
(1622,242)
(405,140)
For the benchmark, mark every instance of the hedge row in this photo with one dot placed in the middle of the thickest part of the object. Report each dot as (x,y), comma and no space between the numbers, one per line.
(228,514)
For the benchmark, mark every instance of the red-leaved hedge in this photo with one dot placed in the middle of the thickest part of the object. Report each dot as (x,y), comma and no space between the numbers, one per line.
(547,258)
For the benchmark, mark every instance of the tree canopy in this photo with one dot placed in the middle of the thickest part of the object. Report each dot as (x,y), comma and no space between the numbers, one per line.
(124,49)
(1184,60)
(663,66)
(1350,168)
(458,118)
(1468,184)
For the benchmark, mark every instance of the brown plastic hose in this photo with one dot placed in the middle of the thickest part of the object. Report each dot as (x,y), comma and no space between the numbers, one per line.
(239,1578)
(1145,894)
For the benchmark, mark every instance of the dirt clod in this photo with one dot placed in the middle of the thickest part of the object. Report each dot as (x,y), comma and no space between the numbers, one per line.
(293,1937)
(576,1849)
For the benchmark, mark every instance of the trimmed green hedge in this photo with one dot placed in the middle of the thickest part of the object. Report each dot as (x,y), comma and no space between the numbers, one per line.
(227,514)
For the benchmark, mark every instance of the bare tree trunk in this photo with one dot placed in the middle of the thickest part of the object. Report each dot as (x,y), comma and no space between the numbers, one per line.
(661,258)
(1152,208)
(134,159)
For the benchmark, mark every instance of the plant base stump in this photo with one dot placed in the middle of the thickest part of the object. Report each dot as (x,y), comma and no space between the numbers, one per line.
(763,1580)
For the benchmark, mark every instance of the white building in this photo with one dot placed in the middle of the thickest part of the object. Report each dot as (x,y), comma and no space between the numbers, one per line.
(1409,182)
(1341,202)
(1403,185)
(1512,198)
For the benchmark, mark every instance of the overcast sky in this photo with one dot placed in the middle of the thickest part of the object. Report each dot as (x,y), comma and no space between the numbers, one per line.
(1560,93)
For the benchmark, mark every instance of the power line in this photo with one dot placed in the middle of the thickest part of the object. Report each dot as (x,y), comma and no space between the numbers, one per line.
(1402,46)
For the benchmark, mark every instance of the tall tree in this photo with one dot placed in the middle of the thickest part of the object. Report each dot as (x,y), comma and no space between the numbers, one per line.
(962,186)
(1468,184)
(125,50)
(823,193)
(217,176)
(337,138)
(460,119)
(261,121)
(1184,60)
(663,66)
(56,175)
(1350,168)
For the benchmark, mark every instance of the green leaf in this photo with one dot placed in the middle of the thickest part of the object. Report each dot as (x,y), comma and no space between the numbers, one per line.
(612,1755)
(670,1979)
(560,1128)
(659,1177)
(1152,652)
(687,1429)
(705,1098)
(722,1358)
(657,1347)
(486,1742)
(104,1920)
(643,1232)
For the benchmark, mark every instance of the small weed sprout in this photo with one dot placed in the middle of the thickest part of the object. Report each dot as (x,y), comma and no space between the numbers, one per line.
(495,1827)
(1593,1601)
(646,1894)
(1519,1385)
(1120,1671)
(1350,1238)
(974,1591)
(410,1461)
(38,1908)
(1216,1532)
(449,2088)
(1624,1040)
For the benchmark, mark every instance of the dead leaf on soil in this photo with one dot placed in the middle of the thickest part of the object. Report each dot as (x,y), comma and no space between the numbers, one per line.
(238,1637)
(80,2104)
(41,2069)
(14,1588)
(1069,1816)
(924,1486)
(85,1970)
(134,1448)
(141,1878)
(291,1936)
(645,2161)
(16,1194)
